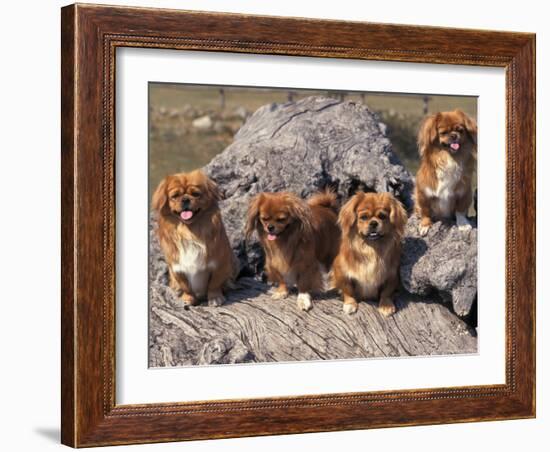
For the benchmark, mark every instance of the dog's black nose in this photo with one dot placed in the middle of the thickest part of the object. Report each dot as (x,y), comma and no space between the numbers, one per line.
(185,204)
(373,225)
(271,228)
(454,135)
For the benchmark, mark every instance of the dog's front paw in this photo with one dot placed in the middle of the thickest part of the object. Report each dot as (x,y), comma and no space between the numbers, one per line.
(424,226)
(386,307)
(216,300)
(462,222)
(423,229)
(304,301)
(188,299)
(279,294)
(350,308)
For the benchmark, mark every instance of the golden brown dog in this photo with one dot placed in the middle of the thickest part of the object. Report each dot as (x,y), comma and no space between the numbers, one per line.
(447,144)
(298,237)
(367,266)
(193,238)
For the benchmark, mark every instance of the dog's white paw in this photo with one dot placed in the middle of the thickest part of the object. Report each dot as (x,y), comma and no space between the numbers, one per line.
(350,308)
(387,308)
(304,301)
(216,300)
(462,222)
(279,294)
(423,229)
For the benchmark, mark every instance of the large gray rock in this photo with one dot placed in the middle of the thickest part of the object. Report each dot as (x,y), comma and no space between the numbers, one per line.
(302,147)
(443,261)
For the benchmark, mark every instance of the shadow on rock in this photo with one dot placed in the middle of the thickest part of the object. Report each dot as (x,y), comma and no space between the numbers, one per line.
(415,248)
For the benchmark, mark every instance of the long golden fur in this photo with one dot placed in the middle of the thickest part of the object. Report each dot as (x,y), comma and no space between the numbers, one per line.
(297,237)
(367,265)
(447,143)
(193,238)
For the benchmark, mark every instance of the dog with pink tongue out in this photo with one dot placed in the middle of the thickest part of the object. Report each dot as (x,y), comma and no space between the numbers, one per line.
(193,238)
(447,144)
(300,239)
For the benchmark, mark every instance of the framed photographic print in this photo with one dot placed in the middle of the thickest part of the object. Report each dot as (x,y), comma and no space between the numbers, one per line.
(281,225)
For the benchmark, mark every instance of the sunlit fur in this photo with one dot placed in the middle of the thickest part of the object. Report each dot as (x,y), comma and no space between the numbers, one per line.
(367,265)
(304,237)
(193,238)
(444,179)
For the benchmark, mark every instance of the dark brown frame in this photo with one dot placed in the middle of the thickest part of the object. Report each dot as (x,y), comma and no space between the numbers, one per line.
(90,35)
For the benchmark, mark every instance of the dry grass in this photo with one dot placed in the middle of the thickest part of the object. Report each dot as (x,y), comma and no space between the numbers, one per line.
(178,148)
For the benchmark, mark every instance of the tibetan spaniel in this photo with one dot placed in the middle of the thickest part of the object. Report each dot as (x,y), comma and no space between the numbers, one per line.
(367,265)
(193,238)
(298,237)
(447,143)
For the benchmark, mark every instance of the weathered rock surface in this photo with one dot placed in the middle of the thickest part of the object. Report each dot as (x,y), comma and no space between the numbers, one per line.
(443,261)
(302,147)
(252,327)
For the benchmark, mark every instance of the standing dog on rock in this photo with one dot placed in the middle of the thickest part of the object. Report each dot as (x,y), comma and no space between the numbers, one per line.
(298,237)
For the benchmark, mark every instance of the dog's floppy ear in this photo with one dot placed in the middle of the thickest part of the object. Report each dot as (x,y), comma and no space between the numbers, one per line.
(212,189)
(398,214)
(160,197)
(470,124)
(252,215)
(347,216)
(427,133)
(300,210)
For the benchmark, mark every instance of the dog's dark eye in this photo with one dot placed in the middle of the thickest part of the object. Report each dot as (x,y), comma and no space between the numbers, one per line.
(281,220)
(364,217)
(460,129)
(382,215)
(195,194)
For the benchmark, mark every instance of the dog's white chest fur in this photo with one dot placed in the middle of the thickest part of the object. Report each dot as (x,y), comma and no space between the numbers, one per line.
(448,177)
(368,277)
(192,263)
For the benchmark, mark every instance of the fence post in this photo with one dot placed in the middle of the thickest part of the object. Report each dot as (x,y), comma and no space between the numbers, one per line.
(222,99)
(426,101)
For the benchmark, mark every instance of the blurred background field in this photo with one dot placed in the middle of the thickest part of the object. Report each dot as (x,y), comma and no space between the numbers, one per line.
(190,124)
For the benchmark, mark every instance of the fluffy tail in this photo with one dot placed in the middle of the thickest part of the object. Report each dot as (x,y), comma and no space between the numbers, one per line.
(326,198)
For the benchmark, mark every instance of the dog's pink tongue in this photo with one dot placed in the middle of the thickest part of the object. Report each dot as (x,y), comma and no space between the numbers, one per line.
(271,236)
(186,215)
(455,146)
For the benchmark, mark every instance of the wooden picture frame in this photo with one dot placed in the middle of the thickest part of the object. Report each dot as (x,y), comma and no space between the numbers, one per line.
(90,36)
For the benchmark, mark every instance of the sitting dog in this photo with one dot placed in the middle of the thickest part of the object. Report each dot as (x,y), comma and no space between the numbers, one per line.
(447,145)
(193,238)
(367,265)
(297,237)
